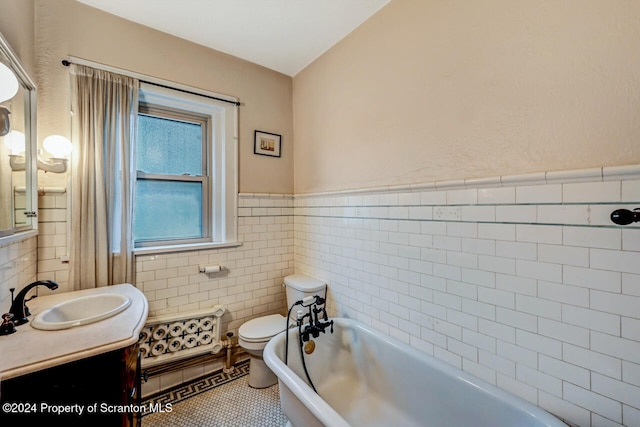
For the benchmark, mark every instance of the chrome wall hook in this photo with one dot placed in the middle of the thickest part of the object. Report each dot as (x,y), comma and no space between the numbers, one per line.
(625,216)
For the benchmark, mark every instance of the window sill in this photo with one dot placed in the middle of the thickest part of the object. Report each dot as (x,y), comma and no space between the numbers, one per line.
(184,248)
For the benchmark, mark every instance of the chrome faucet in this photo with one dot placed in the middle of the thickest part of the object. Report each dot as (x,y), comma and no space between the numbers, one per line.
(19,307)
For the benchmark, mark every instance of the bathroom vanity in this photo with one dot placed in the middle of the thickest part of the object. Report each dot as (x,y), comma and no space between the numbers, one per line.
(82,375)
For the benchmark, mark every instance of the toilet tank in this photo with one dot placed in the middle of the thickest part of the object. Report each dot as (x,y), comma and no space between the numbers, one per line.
(298,286)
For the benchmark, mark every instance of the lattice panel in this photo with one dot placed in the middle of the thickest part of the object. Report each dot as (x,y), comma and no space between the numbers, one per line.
(173,337)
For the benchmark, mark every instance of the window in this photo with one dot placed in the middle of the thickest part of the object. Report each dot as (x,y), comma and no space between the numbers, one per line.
(172,178)
(185,160)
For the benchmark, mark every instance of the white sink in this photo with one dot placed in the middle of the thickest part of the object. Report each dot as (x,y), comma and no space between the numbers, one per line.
(80,311)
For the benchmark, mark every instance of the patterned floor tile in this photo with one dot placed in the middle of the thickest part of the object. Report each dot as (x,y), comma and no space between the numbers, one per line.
(219,400)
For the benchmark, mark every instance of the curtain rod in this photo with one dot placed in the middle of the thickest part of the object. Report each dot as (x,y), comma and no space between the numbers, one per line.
(66,63)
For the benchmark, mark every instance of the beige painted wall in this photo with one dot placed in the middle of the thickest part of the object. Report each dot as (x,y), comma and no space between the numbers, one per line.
(17,27)
(66,27)
(430,90)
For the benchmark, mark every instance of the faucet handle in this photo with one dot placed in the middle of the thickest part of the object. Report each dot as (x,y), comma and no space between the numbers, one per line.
(7,327)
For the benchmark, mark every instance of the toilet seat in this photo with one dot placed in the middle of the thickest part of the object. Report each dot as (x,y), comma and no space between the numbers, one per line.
(262,329)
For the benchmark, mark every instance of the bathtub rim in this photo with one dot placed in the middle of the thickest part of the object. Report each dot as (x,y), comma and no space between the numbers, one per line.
(328,416)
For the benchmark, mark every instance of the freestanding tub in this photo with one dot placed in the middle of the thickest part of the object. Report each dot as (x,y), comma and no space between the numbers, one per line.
(364,378)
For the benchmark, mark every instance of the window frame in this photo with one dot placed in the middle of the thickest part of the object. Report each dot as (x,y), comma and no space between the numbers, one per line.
(204,178)
(220,160)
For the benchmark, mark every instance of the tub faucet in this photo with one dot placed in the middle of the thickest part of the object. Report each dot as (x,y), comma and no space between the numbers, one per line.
(19,307)
(316,326)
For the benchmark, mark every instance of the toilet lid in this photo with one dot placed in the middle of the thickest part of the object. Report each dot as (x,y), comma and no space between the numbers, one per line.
(262,328)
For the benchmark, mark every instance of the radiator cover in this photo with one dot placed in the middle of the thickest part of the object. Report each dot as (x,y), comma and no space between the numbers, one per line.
(177,336)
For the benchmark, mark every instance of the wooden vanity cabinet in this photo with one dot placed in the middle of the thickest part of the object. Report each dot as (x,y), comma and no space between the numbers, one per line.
(106,387)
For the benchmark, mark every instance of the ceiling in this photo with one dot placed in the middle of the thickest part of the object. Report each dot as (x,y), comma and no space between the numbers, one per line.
(283,35)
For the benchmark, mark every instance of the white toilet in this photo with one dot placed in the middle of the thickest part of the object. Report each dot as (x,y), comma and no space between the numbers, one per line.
(254,335)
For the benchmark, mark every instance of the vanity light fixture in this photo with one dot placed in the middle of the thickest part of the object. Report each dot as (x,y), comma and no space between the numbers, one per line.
(8,89)
(15,143)
(60,147)
(8,83)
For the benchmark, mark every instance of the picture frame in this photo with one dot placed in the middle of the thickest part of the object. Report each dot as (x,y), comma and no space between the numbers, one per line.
(267,144)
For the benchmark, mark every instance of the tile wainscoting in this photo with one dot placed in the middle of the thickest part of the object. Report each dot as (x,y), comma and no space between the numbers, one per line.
(18,263)
(52,236)
(523,281)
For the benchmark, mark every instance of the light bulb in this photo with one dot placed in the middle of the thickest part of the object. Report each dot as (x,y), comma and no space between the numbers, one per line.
(8,83)
(15,142)
(58,146)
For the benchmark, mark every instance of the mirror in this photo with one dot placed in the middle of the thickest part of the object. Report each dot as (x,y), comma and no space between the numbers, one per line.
(18,144)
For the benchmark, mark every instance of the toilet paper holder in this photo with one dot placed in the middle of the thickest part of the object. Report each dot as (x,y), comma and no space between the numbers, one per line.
(212,269)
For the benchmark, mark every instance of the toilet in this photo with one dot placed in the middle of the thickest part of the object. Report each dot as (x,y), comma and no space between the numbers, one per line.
(254,334)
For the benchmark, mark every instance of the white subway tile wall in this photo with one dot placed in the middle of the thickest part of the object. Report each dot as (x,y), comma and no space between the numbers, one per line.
(52,238)
(18,263)
(37,257)
(529,286)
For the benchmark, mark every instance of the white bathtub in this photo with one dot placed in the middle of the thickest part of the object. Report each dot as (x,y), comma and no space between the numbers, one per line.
(364,378)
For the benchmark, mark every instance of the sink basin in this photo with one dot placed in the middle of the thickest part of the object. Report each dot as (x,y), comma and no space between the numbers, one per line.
(80,311)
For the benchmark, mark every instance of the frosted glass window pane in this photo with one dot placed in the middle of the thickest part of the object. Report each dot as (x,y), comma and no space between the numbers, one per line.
(168,210)
(167,146)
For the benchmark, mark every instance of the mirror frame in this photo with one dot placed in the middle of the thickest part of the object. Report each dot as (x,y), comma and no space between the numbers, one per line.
(15,234)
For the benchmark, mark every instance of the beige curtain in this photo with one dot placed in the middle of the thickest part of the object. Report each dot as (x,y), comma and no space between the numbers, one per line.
(104,110)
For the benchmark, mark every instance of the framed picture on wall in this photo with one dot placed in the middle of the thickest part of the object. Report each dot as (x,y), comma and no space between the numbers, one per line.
(267,144)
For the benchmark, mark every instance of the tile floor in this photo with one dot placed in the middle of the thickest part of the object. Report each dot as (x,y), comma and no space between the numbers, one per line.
(219,400)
